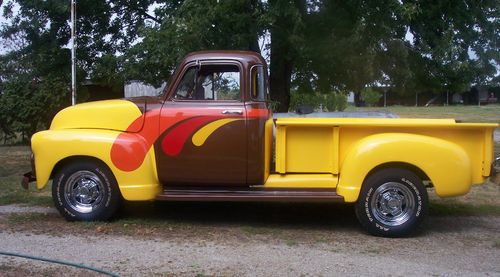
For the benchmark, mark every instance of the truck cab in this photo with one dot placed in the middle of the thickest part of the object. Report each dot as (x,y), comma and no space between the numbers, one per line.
(217,101)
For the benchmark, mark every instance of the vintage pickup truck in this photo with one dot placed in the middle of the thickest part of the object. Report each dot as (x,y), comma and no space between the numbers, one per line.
(211,137)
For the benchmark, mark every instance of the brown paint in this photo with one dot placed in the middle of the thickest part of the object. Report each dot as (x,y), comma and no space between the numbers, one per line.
(222,159)
(234,154)
(255,146)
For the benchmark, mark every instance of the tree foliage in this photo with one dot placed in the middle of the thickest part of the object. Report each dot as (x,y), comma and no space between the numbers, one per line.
(35,73)
(315,46)
(192,26)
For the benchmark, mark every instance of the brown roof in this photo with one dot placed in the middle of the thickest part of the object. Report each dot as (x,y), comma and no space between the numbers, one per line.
(243,56)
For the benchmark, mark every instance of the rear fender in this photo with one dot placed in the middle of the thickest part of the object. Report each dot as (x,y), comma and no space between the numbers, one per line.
(446,164)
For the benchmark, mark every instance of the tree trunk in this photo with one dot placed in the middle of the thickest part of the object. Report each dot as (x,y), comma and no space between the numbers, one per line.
(283,52)
(280,77)
(251,7)
(358,102)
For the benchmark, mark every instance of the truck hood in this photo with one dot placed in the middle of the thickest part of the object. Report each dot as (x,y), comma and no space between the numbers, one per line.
(108,114)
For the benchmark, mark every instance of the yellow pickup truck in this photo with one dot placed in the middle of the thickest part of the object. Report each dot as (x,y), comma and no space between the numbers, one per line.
(211,137)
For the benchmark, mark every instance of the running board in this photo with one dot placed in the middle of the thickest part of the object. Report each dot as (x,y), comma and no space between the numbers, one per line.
(250,195)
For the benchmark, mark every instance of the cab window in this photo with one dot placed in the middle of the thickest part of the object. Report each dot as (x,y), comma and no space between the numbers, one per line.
(258,88)
(210,83)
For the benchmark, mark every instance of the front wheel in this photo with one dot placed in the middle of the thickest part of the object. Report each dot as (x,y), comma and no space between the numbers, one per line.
(85,191)
(392,203)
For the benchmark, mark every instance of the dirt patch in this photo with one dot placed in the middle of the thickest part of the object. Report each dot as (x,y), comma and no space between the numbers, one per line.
(23,209)
(243,239)
(461,237)
(15,267)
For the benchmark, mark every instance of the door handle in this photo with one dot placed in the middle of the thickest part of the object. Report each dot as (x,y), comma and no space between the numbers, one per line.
(239,112)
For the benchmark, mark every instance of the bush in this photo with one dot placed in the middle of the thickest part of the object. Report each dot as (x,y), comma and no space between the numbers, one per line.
(370,96)
(340,101)
(331,102)
(334,101)
(273,105)
(298,99)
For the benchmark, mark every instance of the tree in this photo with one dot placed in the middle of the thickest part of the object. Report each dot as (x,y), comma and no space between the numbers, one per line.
(455,43)
(286,29)
(192,26)
(316,45)
(408,45)
(35,72)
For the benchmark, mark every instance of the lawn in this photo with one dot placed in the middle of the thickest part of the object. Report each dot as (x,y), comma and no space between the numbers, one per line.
(487,113)
(14,162)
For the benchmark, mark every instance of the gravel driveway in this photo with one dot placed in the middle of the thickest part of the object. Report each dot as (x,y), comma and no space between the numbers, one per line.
(448,246)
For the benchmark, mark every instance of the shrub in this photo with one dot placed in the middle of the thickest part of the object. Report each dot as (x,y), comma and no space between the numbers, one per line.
(330,102)
(370,96)
(298,99)
(273,105)
(340,101)
(334,101)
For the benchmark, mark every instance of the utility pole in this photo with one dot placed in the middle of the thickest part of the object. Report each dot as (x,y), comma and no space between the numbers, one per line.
(73,52)
(478,97)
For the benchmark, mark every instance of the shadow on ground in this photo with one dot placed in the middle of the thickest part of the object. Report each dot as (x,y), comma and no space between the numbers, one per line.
(317,216)
(314,217)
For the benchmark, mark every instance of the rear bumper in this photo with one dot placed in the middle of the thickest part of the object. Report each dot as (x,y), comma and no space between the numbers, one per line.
(27,179)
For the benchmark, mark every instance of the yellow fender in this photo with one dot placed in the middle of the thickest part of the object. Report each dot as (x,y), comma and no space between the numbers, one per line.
(446,164)
(52,146)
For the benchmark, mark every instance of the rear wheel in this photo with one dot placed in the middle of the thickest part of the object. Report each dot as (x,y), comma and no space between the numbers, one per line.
(85,191)
(392,203)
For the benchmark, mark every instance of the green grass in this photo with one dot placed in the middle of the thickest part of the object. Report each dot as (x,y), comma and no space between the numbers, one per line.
(463,209)
(129,225)
(14,162)
(11,195)
(26,217)
(488,113)
(496,243)
(132,222)
(260,230)
(290,242)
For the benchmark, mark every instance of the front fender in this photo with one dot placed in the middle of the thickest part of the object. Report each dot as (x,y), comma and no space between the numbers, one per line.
(445,163)
(52,146)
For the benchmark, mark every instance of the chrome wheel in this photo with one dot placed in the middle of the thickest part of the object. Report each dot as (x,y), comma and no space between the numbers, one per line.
(84,191)
(392,204)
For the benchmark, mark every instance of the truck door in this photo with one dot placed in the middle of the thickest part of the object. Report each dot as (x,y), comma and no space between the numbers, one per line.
(203,139)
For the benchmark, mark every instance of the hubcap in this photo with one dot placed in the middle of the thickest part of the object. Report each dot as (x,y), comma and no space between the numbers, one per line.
(392,204)
(83,191)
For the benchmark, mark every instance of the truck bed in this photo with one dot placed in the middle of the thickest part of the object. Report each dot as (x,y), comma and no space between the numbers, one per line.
(450,154)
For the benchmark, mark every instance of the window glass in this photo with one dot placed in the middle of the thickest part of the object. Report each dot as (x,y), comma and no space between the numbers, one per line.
(210,82)
(258,84)
(185,88)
